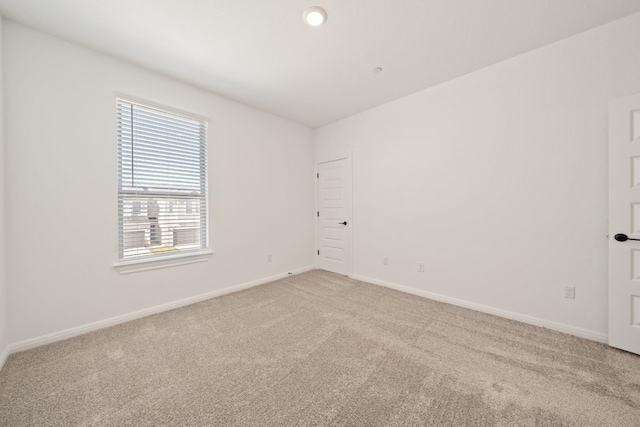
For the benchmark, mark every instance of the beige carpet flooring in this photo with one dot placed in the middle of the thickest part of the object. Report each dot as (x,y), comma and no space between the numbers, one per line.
(321,349)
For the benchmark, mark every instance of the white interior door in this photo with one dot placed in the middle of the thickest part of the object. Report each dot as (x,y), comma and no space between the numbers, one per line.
(334,216)
(624,223)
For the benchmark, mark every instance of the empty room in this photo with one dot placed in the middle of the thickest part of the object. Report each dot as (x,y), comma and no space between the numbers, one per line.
(308,213)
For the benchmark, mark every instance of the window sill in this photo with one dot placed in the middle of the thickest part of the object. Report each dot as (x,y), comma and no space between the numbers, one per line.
(126,267)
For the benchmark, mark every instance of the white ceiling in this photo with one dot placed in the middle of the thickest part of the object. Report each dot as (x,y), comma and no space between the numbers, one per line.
(259,52)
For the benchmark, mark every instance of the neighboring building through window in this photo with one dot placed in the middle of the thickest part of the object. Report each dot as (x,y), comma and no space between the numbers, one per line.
(162,169)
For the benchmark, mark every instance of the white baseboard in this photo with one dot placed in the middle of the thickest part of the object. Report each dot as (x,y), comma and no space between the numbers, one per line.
(89,327)
(3,357)
(560,327)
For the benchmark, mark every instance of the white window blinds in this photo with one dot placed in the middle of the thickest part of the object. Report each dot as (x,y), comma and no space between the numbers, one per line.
(162,182)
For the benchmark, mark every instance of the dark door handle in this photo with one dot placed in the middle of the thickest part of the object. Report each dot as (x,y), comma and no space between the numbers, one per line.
(343,223)
(623,238)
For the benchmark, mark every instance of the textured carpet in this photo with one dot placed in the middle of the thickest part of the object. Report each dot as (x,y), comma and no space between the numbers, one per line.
(321,349)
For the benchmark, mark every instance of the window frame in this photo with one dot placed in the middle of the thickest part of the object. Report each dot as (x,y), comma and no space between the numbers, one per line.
(161,260)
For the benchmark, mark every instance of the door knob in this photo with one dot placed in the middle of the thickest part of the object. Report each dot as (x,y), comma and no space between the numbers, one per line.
(623,238)
(343,223)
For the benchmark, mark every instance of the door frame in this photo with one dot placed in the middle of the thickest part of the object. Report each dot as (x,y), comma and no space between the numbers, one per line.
(348,156)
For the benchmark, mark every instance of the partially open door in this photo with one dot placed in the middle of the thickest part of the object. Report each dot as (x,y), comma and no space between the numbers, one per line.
(334,216)
(624,224)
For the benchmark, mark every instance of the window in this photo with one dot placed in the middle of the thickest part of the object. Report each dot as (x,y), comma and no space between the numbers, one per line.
(162,168)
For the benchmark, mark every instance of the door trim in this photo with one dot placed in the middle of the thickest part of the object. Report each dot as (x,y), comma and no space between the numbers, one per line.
(348,156)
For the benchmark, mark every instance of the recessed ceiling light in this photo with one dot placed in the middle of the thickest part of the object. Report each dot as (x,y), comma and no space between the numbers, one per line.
(314,16)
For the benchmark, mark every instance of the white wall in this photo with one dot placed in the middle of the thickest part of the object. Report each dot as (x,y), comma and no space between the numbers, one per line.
(62,188)
(496,180)
(4,318)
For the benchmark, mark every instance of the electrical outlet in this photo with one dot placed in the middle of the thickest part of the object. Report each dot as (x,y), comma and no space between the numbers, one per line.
(570,292)
(421,267)
(269,258)
(385,261)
